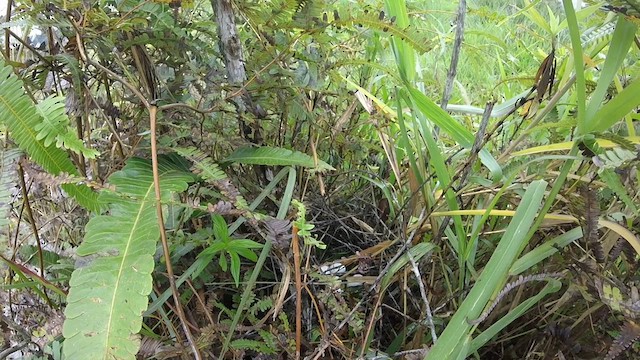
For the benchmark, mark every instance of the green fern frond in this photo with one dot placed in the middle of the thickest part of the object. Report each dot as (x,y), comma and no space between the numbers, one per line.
(307,11)
(54,118)
(597,35)
(55,127)
(247,344)
(622,141)
(263,305)
(609,177)
(109,291)
(74,68)
(202,164)
(19,114)
(617,157)
(410,34)
(281,11)
(270,340)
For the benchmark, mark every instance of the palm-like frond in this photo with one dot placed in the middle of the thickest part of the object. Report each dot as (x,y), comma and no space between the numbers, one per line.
(19,114)
(55,129)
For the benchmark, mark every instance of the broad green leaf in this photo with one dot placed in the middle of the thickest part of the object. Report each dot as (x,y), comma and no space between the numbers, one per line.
(603,143)
(623,103)
(220,230)
(538,19)
(578,63)
(235,267)
(620,43)
(109,291)
(545,250)
(265,155)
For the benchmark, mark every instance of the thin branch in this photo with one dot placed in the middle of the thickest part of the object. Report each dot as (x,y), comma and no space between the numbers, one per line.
(34,227)
(7,43)
(295,244)
(163,235)
(457,44)
(423,294)
(28,46)
(478,143)
(125,83)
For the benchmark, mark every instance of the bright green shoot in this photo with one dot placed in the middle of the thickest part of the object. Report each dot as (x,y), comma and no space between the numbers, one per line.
(228,247)
(304,228)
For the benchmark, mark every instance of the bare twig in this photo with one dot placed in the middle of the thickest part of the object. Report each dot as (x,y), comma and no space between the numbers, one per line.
(423,294)
(26,338)
(163,235)
(118,78)
(295,245)
(7,18)
(457,44)
(478,143)
(34,227)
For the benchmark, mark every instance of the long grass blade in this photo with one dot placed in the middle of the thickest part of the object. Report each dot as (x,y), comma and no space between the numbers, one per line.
(493,276)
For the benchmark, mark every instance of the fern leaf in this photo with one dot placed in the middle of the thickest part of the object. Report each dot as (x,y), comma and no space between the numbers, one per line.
(612,179)
(54,119)
(109,294)
(55,127)
(265,155)
(629,333)
(69,140)
(597,35)
(248,344)
(621,141)
(617,157)
(84,196)
(410,34)
(74,68)
(202,164)
(19,114)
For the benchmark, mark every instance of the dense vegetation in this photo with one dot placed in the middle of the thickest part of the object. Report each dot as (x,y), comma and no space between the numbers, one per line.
(320,179)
